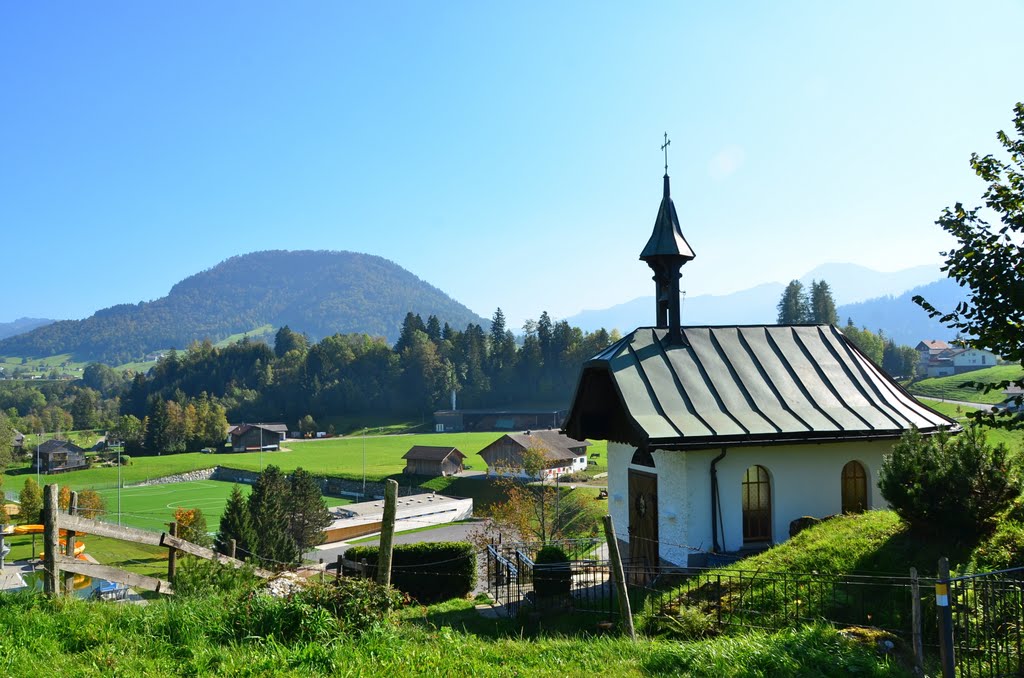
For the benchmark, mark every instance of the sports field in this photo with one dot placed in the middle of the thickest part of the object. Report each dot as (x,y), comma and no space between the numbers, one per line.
(152,507)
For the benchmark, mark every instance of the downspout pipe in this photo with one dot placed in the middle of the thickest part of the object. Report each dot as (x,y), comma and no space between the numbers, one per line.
(714,500)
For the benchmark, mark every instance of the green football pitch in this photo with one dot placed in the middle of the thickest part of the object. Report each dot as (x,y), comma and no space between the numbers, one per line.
(152,507)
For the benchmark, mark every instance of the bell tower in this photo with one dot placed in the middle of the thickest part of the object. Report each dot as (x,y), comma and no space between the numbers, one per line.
(666,252)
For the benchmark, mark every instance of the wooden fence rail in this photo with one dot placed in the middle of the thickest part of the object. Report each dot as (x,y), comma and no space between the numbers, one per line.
(55,562)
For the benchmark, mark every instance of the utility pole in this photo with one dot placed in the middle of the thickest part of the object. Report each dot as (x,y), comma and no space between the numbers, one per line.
(363,498)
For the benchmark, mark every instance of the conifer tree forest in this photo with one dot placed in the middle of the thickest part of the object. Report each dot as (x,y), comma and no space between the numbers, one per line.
(185,401)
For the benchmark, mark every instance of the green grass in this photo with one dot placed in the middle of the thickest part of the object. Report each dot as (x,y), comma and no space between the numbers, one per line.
(951,388)
(190,636)
(151,507)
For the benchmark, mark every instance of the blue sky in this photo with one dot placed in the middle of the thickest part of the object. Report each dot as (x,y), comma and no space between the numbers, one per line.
(506,153)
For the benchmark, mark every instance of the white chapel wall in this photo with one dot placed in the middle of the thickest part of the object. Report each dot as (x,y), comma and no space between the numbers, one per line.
(805,480)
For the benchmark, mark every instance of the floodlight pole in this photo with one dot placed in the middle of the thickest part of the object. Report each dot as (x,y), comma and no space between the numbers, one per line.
(118,484)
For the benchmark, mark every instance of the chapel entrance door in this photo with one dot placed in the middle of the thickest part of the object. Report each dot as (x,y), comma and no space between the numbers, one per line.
(643,526)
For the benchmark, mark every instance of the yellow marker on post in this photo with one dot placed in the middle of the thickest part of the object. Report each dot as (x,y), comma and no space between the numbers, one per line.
(942,595)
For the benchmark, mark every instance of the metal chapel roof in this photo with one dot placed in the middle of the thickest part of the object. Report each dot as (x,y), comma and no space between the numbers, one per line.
(746,385)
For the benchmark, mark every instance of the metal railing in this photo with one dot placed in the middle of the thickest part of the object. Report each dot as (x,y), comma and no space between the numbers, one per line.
(988,623)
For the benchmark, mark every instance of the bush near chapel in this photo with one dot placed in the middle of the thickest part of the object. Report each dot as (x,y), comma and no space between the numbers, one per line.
(949,486)
(428,572)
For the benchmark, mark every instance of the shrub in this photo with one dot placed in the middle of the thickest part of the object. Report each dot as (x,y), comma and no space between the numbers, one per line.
(551,573)
(682,623)
(357,603)
(126,460)
(428,572)
(950,486)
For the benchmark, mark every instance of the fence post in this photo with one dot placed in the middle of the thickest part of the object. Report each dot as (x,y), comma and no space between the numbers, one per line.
(172,554)
(232,548)
(340,573)
(945,615)
(69,550)
(915,631)
(387,534)
(51,532)
(619,576)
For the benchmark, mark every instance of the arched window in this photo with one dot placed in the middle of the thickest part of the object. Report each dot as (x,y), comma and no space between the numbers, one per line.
(855,488)
(757,505)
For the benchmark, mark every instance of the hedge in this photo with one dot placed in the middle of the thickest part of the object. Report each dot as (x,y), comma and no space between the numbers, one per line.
(429,572)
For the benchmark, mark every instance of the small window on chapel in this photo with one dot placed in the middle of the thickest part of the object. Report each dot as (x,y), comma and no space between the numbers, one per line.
(855,488)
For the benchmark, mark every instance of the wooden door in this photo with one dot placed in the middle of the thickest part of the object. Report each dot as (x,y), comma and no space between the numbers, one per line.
(643,524)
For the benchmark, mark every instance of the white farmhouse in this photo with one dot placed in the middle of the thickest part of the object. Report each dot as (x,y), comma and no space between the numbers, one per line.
(719,437)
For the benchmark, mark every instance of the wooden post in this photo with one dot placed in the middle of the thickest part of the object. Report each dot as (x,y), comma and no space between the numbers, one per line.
(619,576)
(340,568)
(387,532)
(323,571)
(915,632)
(51,539)
(232,548)
(172,554)
(69,550)
(945,614)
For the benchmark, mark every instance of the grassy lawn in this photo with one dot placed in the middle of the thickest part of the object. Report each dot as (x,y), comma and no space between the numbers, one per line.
(152,507)
(951,388)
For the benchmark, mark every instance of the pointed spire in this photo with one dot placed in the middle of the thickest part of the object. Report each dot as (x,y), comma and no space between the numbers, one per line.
(666,252)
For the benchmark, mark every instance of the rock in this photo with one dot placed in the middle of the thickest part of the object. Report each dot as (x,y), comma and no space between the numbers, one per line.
(800,524)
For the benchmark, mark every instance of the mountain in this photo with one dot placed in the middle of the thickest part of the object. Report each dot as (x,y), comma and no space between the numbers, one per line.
(903,320)
(22,325)
(850,283)
(316,292)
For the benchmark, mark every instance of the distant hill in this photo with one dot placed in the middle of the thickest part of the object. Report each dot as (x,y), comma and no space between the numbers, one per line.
(903,320)
(22,325)
(316,292)
(757,305)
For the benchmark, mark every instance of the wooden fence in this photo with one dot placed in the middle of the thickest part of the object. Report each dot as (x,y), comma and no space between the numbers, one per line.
(56,562)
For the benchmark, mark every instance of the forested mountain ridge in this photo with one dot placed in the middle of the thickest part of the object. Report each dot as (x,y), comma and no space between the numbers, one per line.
(319,293)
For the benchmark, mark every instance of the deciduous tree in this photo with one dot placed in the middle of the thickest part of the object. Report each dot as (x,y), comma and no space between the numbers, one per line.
(31,500)
(989,262)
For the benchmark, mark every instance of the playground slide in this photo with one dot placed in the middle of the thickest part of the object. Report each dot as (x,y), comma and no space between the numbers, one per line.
(38,529)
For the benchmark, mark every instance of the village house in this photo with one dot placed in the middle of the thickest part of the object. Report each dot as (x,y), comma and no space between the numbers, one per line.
(560,454)
(254,437)
(428,460)
(939,359)
(721,437)
(57,456)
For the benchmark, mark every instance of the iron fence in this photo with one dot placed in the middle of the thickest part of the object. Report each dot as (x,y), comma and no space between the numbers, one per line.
(988,616)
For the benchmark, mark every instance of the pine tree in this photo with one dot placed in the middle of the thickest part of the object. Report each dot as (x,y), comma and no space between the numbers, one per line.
(268,505)
(794,307)
(823,306)
(236,523)
(309,515)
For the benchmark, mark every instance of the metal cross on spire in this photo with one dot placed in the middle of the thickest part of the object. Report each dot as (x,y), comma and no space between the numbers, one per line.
(664,147)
